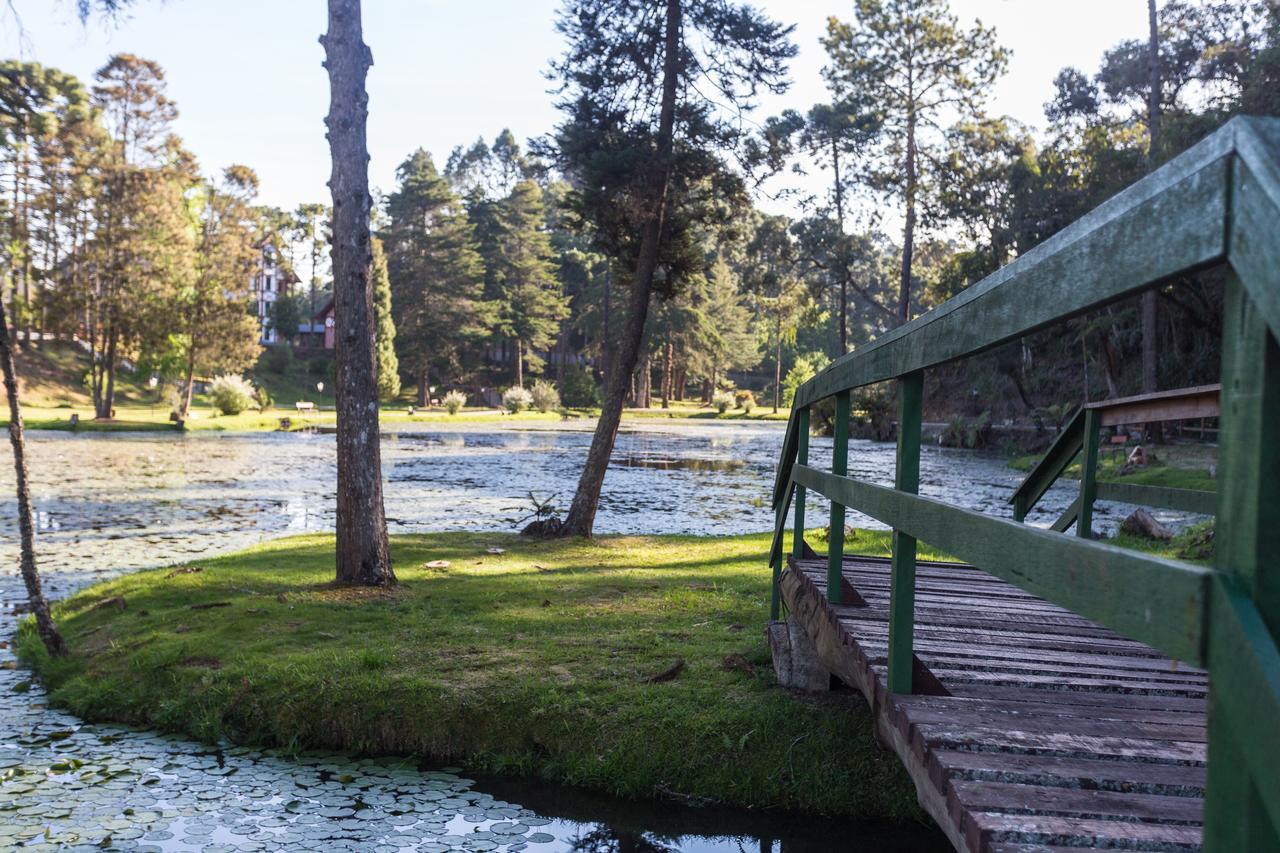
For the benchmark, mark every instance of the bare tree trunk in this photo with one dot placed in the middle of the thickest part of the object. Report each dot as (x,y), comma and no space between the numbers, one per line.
(106,406)
(777,369)
(26,530)
(519,360)
(424,391)
(1150,377)
(582,512)
(909,228)
(841,255)
(606,343)
(363,555)
(667,355)
(646,383)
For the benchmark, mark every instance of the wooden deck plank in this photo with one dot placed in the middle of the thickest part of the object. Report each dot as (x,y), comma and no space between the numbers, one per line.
(1057,733)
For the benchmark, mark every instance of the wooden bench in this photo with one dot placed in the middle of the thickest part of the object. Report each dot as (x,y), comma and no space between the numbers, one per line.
(304,406)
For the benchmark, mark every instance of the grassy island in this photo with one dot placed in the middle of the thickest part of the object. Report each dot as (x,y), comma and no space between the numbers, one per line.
(633,666)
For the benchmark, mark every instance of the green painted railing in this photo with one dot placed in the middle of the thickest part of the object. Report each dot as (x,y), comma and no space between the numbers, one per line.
(1215,206)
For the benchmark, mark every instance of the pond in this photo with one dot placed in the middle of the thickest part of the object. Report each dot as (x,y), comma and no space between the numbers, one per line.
(110,503)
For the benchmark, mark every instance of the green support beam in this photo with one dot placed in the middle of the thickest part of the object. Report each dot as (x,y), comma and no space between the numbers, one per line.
(839,467)
(802,458)
(1088,473)
(902,588)
(1238,816)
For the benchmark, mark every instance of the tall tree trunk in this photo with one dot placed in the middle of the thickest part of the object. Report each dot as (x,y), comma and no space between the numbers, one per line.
(667,356)
(777,368)
(518,350)
(606,343)
(841,256)
(26,530)
(106,407)
(581,518)
(424,390)
(363,556)
(646,382)
(1150,377)
(909,227)
(190,386)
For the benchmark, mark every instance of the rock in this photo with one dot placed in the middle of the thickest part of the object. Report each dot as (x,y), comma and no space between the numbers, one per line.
(795,658)
(1142,523)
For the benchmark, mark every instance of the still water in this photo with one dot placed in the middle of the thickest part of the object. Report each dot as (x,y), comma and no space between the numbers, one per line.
(113,503)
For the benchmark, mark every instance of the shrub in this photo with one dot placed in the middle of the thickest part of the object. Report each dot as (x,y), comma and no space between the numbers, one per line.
(454,401)
(744,398)
(263,399)
(805,368)
(748,404)
(231,394)
(516,399)
(578,390)
(722,400)
(545,396)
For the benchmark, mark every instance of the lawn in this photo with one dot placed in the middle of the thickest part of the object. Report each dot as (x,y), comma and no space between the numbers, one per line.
(540,660)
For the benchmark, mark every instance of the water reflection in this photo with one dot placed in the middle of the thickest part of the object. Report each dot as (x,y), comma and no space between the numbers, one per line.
(109,503)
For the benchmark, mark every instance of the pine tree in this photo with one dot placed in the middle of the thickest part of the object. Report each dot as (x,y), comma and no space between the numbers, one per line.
(436,276)
(630,67)
(384,326)
(530,305)
(913,61)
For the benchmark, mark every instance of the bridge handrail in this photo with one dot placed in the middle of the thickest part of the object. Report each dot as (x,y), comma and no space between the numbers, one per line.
(1216,205)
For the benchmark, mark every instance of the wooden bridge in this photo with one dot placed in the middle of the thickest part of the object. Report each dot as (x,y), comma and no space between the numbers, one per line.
(1056,692)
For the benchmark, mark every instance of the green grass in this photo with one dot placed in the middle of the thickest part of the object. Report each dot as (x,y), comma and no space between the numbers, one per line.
(528,662)
(1181,470)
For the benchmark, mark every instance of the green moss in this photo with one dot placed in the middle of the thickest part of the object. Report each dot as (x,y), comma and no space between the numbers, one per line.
(531,661)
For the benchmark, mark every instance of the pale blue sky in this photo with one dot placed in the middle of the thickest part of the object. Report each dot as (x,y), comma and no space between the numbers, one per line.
(247,78)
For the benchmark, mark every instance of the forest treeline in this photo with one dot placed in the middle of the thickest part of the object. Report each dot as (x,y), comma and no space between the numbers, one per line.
(500,263)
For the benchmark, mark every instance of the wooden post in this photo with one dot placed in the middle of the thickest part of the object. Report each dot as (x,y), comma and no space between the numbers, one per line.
(902,589)
(1247,538)
(839,467)
(1089,472)
(802,458)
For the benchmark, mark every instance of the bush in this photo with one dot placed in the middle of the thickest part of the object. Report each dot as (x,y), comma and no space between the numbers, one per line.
(516,399)
(263,398)
(454,401)
(744,398)
(805,368)
(722,400)
(231,394)
(578,390)
(967,433)
(747,405)
(545,396)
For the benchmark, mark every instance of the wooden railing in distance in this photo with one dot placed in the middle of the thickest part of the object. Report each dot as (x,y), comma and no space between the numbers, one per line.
(1083,433)
(1215,206)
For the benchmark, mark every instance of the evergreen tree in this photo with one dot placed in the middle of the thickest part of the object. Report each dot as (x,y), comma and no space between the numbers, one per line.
(911,59)
(530,305)
(384,326)
(630,68)
(436,276)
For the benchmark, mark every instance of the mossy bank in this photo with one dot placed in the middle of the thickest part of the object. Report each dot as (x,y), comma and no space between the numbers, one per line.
(540,660)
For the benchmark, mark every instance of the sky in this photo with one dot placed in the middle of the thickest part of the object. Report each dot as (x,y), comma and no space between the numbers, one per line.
(250,89)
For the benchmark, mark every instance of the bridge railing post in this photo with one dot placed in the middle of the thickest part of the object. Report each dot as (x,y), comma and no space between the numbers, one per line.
(802,458)
(1247,539)
(1089,472)
(902,588)
(839,467)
